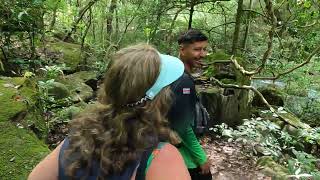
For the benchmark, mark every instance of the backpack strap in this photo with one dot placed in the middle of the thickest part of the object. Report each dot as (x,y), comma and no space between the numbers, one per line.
(146,160)
(141,175)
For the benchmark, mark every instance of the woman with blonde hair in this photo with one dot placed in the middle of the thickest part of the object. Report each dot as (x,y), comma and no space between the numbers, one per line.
(125,136)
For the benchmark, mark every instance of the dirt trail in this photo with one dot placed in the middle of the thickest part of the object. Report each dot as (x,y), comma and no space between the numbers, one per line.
(230,162)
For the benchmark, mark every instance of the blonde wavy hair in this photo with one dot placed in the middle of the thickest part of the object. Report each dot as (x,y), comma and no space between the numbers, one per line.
(113,134)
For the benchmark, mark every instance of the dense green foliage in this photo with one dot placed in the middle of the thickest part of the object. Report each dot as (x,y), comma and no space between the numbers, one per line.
(42,41)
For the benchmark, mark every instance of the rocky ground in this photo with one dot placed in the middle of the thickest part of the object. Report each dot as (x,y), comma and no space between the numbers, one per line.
(231,160)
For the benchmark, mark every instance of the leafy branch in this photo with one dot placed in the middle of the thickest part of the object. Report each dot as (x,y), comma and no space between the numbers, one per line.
(315,51)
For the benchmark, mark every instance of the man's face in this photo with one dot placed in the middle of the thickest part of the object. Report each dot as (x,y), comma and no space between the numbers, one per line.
(192,54)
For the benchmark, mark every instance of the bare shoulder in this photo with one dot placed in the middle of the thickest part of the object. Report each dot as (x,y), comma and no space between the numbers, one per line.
(48,167)
(168,164)
(169,151)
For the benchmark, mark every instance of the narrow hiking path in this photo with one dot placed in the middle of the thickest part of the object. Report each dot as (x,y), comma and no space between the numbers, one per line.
(231,160)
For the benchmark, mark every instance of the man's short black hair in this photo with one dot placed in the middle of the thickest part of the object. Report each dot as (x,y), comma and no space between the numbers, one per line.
(191,36)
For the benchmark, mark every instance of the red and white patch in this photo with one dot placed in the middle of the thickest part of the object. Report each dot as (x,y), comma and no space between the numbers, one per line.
(186,91)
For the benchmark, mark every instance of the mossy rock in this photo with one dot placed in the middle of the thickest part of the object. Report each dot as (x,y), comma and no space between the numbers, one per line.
(10,105)
(1,63)
(271,168)
(71,53)
(306,109)
(83,75)
(289,118)
(14,100)
(294,120)
(68,113)
(78,89)
(76,84)
(58,90)
(36,123)
(209,90)
(88,77)
(20,151)
(16,103)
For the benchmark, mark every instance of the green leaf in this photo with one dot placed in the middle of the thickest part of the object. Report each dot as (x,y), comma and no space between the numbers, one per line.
(307,4)
(227,133)
(21,14)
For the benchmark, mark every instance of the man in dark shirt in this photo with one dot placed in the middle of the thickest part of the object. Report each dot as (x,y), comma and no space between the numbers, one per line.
(192,49)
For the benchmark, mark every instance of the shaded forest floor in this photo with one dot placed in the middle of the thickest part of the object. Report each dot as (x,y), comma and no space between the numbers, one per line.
(231,160)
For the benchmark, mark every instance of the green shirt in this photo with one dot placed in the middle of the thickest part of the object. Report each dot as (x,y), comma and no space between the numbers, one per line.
(181,118)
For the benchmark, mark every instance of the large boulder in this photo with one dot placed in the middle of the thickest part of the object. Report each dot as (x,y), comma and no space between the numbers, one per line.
(272,168)
(58,90)
(20,148)
(18,100)
(88,77)
(70,54)
(76,83)
(11,100)
(74,86)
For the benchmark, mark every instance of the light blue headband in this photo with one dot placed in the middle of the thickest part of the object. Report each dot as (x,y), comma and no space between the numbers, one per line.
(171,69)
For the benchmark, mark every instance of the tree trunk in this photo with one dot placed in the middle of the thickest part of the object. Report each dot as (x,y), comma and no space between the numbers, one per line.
(245,39)
(237,27)
(32,44)
(3,63)
(170,36)
(82,12)
(54,16)
(87,29)
(192,4)
(117,25)
(225,26)
(93,31)
(156,25)
(112,8)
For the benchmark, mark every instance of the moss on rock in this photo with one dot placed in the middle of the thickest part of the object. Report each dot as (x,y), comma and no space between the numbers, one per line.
(71,53)
(16,96)
(11,101)
(20,151)
(78,89)
(273,169)
(83,75)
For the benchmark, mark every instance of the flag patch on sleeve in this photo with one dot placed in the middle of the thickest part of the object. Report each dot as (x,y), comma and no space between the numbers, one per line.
(186,91)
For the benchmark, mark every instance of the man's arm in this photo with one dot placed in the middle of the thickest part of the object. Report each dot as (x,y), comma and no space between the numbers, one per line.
(192,144)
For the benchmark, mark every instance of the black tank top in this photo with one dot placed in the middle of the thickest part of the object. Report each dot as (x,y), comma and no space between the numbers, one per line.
(95,169)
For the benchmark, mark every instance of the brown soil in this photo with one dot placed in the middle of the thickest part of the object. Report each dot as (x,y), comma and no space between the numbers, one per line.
(231,161)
